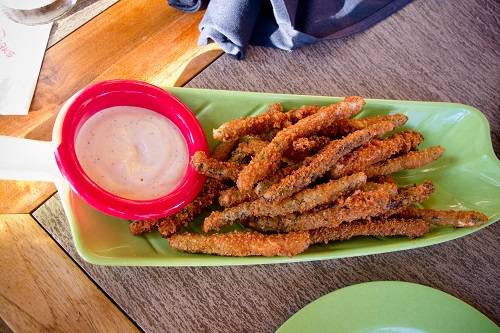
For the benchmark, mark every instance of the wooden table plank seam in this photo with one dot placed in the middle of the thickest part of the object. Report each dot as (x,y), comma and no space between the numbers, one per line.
(41,204)
(79,15)
(55,294)
(201,69)
(77,264)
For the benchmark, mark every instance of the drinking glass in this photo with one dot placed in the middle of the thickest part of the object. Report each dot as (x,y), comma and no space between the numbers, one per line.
(32,12)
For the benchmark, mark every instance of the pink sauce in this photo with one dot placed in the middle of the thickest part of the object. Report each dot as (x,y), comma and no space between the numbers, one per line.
(132,152)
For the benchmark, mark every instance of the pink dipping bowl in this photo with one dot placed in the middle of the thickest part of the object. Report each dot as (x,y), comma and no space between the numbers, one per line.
(107,94)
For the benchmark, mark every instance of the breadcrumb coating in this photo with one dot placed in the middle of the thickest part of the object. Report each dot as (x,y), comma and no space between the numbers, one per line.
(359,205)
(304,111)
(233,196)
(455,218)
(213,168)
(411,160)
(223,150)
(273,118)
(324,161)
(242,244)
(299,203)
(343,127)
(374,151)
(380,228)
(269,158)
(170,224)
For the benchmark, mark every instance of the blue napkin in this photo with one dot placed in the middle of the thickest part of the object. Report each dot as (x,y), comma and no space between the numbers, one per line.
(285,24)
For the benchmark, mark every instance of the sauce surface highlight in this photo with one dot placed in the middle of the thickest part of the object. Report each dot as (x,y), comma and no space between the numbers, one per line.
(132,152)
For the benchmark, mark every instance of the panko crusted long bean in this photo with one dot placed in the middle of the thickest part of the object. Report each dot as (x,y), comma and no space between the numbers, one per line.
(266,183)
(171,224)
(360,205)
(139,227)
(374,151)
(375,227)
(295,115)
(408,196)
(235,129)
(247,149)
(323,161)
(455,218)
(297,151)
(239,244)
(345,126)
(233,196)
(213,168)
(223,150)
(411,160)
(307,144)
(269,158)
(299,203)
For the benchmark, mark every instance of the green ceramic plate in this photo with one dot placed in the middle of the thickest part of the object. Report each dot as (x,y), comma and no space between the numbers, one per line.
(466,177)
(388,307)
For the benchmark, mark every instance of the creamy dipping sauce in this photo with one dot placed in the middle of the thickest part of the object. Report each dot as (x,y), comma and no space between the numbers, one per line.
(132,152)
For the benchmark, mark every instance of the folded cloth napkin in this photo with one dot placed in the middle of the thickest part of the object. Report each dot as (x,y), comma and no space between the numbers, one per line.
(286,24)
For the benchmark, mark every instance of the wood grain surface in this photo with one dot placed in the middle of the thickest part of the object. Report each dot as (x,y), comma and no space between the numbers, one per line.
(134,39)
(62,299)
(82,12)
(22,197)
(430,50)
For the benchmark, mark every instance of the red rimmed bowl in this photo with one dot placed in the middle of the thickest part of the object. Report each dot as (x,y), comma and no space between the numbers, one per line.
(73,115)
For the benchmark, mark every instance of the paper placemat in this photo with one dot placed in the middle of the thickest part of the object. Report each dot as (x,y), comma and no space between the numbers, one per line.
(22,48)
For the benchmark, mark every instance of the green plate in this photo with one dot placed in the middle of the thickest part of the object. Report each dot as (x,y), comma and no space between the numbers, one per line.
(388,307)
(466,177)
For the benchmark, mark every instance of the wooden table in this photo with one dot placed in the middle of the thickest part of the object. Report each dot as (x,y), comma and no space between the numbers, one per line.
(430,50)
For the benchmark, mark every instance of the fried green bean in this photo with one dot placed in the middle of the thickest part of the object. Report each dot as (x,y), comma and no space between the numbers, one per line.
(455,218)
(241,244)
(269,158)
(247,149)
(233,196)
(170,224)
(223,150)
(324,161)
(304,111)
(374,151)
(374,227)
(299,149)
(408,196)
(274,118)
(359,205)
(411,160)
(343,127)
(213,168)
(301,202)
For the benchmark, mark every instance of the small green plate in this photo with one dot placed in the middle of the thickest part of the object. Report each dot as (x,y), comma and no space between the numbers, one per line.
(466,177)
(388,307)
